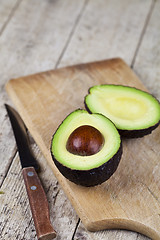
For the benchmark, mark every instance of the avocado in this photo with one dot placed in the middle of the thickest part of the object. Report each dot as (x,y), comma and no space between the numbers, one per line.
(134,112)
(86,148)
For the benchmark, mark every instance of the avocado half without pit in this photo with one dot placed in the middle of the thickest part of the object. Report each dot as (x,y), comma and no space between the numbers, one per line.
(134,112)
(86,148)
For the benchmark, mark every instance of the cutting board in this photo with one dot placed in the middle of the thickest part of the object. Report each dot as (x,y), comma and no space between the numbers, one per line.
(130,199)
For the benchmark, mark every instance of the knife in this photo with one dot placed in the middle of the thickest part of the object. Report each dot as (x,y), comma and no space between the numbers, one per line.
(37,197)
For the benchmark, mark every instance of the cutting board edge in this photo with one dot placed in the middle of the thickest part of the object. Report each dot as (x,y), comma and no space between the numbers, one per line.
(78,65)
(123,224)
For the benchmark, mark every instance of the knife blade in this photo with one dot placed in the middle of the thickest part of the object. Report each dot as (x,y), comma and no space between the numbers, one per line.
(37,197)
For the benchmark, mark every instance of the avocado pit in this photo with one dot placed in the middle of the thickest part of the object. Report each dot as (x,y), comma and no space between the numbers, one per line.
(85,141)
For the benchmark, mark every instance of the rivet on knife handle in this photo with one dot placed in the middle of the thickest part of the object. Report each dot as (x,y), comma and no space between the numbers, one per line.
(39,204)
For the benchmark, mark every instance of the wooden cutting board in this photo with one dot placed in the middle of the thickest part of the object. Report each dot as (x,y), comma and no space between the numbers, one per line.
(130,199)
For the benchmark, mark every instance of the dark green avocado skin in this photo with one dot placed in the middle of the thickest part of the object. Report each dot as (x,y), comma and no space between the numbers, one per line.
(92,177)
(137,133)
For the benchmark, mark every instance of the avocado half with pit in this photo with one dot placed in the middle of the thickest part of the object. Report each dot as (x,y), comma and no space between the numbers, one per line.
(134,112)
(86,148)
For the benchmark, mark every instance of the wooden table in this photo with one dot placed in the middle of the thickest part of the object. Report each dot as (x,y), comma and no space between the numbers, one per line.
(39,35)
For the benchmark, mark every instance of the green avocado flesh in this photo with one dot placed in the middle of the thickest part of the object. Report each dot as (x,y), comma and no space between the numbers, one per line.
(87,170)
(127,107)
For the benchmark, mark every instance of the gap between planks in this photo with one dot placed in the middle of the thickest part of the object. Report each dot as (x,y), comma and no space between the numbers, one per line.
(10,16)
(71,33)
(143,31)
(75,230)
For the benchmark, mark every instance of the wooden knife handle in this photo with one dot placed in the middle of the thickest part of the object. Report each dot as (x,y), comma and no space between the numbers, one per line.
(39,204)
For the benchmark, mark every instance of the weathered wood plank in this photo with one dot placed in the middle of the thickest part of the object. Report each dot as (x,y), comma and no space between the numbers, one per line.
(81,233)
(107,29)
(147,62)
(7,8)
(7,146)
(36,35)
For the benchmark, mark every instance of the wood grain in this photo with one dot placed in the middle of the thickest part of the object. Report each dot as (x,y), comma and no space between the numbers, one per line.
(130,198)
(107,31)
(148,70)
(6,10)
(39,204)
